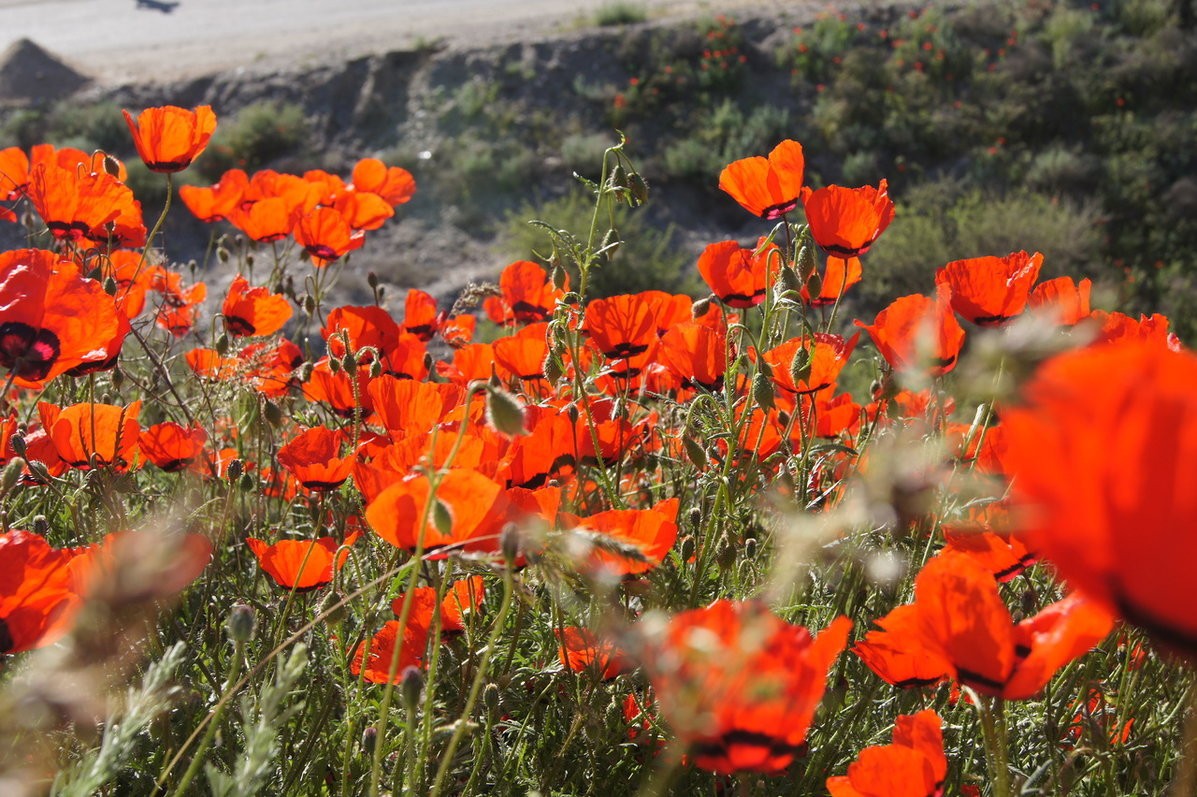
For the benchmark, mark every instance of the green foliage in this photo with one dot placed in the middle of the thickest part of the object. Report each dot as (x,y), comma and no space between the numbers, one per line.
(88,127)
(620,12)
(253,137)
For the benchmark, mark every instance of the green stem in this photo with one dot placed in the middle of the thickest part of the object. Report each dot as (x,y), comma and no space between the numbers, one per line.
(993,729)
(217,711)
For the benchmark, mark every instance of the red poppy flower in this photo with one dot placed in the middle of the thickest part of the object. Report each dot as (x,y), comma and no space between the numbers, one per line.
(845,222)
(652,532)
(1064,299)
(314,459)
(51,318)
(1102,454)
(362,327)
(1097,714)
(461,598)
(214,204)
(695,353)
(986,538)
(362,210)
(913,766)
(739,686)
(1115,327)
(172,447)
(527,295)
(37,591)
(375,656)
(768,188)
(77,205)
(180,305)
(407,407)
(392,183)
(623,328)
(822,356)
(523,354)
(326,235)
(302,564)
(338,390)
(14,174)
(991,290)
(958,627)
(254,311)
(581,650)
(169,138)
(739,276)
(84,435)
(914,329)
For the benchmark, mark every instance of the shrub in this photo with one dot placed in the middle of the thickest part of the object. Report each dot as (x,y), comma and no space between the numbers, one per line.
(255,136)
(620,13)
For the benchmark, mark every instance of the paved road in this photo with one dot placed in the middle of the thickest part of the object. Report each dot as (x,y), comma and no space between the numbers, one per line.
(140,40)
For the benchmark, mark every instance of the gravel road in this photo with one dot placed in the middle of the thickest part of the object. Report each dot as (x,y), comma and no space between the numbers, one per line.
(137,41)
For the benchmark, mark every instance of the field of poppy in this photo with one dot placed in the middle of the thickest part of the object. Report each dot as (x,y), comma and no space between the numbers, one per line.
(545,542)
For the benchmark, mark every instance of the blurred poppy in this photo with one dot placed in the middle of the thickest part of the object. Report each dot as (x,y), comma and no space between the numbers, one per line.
(254,311)
(739,276)
(37,591)
(1066,300)
(169,138)
(461,598)
(1113,327)
(172,447)
(991,290)
(1102,453)
(767,188)
(739,686)
(916,329)
(845,222)
(215,203)
(372,659)
(302,564)
(810,365)
(14,174)
(648,535)
(52,319)
(467,507)
(986,537)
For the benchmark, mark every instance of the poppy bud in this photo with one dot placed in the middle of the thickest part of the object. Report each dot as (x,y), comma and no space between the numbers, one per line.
(806,261)
(725,554)
(750,545)
(222,344)
(638,187)
(249,259)
(118,378)
(509,542)
(694,516)
(764,367)
(800,365)
(762,391)
(490,698)
(369,739)
(411,683)
(247,483)
(110,286)
(334,365)
(694,451)
(112,166)
(560,278)
(305,372)
(272,413)
(619,177)
(814,285)
(241,623)
(309,304)
(332,608)
(18,445)
(790,282)
(222,254)
(234,469)
(552,369)
(349,361)
(375,369)
(688,548)
(39,471)
(504,412)
(442,517)
(700,307)
(372,279)
(9,479)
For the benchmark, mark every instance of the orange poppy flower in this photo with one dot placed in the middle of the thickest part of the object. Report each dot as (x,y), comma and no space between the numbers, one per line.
(368,326)
(986,538)
(314,458)
(52,319)
(527,295)
(917,328)
(767,188)
(1101,454)
(581,650)
(172,447)
(85,434)
(546,453)
(991,290)
(695,353)
(77,205)
(913,766)
(372,659)
(652,532)
(1114,327)
(37,591)
(845,222)
(362,210)
(214,204)
(393,184)
(180,305)
(338,390)
(958,627)
(302,565)
(739,276)
(407,407)
(826,354)
(14,174)
(326,235)
(523,354)
(739,686)
(1066,300)
(254,311)
(467,506)
(169,138)
(624,329)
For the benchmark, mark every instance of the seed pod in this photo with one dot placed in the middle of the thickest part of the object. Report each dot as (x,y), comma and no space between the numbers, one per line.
(638,187)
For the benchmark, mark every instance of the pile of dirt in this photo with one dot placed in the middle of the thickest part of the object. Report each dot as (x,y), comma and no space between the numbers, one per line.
(29,75)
